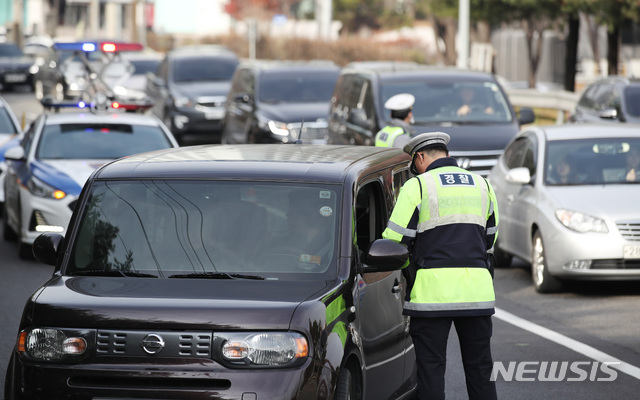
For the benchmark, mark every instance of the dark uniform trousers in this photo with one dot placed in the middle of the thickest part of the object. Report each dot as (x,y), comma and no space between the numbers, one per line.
(430,340)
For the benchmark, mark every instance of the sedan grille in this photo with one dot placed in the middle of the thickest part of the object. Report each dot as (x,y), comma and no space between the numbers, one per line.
(164,344)
(616,264)
(630,230)
(310,131)
(479,162)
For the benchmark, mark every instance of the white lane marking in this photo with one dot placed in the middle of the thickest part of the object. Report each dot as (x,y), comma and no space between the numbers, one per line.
(572,344)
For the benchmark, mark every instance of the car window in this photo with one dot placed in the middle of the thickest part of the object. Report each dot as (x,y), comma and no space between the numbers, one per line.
(297,86)
(10,50)
(515,153)
(439,101)
(196,69)
(592,161)
(99,141)
(632,100)
(142,67)
(6,123)
(176,228)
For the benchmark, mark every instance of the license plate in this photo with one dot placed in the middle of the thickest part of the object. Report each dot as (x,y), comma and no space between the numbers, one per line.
(15,78)
(214,114)
(631,251)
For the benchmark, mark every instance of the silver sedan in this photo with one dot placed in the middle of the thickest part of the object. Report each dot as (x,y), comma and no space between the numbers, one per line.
(568,202)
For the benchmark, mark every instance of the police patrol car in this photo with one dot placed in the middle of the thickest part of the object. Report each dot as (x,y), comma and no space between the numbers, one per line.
(54,157)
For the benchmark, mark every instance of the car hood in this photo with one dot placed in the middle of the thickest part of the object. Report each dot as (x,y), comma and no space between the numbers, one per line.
(295,112)
(66,175)
(613,202)
(202,88)
(16,61)
(192,303)
(474,137)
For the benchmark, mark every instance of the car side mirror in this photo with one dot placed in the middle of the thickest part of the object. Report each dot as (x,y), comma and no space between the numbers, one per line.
(15,154)
(45,247)
(385,255)
(520,176)
(155,79)
(242,98)
(358,116)
(526,116)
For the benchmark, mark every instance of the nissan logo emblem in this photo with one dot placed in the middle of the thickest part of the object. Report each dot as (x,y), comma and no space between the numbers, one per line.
(152,344)
(464,162)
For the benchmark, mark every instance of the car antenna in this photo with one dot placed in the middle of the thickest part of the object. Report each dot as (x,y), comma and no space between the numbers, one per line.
(299,139)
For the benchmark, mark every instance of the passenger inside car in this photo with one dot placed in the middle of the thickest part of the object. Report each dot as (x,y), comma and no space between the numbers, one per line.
(563,172)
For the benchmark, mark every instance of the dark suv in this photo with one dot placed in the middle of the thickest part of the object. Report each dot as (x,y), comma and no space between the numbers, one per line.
(280,102)
(189,90)
(224,271)
(477,138)
(611,99)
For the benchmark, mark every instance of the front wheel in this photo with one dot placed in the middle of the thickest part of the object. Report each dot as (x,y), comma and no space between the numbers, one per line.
(543,281)
(346,388)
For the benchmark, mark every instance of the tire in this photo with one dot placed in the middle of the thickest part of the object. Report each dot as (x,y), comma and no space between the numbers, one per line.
(543,281)
(38,89)
(347,387)
(503,259)
(7,233)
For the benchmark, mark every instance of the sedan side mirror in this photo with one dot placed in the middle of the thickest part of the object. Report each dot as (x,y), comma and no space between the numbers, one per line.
(15,154)
(45,248)
(526,116)
(520,176)
(385,255)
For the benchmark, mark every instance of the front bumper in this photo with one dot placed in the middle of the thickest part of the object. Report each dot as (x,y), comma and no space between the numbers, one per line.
(164,379)
(204,120)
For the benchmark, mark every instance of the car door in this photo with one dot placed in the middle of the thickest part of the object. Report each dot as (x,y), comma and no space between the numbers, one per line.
(240,104)
(380,297)
(507,192)
(17,172)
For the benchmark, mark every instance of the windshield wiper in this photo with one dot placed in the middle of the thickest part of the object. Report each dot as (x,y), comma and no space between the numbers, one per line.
(112,272)
(216,275)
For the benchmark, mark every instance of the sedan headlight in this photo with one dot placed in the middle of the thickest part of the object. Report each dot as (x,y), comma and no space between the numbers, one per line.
(263,349)
(41,189)
(581,222)
(182,101)
(275,127)
(54,344)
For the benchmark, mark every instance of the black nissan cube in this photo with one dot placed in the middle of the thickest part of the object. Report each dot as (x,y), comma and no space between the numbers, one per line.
(224,272)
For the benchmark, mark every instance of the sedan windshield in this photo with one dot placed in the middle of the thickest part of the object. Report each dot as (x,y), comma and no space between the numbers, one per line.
(455,102)
(204,69)
(99,141)
(297,86)
(593,161)
(206,230)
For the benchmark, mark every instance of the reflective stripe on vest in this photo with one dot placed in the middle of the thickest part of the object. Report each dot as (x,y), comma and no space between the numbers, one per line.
(388,135)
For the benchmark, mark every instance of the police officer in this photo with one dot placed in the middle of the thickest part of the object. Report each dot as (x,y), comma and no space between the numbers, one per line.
(448,218)
(399,131)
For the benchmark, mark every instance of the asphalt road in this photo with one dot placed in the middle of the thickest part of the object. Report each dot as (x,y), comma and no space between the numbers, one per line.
(578,330)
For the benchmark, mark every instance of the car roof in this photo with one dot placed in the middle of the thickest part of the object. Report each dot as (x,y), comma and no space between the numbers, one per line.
(390,73)
(588,131)
(291,162)
(289,65)
(81,116)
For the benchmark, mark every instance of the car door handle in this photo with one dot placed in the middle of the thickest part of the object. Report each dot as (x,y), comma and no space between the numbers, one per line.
(397,287)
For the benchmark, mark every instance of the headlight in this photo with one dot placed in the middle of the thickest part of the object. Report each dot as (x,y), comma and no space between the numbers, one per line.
(182,101)
(276,127)
(580,222)
(275,349)
(52,344)
(41,189)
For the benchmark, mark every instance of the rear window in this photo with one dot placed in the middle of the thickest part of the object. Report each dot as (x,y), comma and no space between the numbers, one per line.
(99,141)
(188,229)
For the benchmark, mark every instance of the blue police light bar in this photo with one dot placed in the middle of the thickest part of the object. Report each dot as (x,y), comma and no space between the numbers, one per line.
(48,102)
(76,46)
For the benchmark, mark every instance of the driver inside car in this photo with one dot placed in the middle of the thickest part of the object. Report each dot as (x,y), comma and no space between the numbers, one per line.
(471,101)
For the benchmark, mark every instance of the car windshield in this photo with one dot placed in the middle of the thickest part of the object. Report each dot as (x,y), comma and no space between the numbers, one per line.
(593,161)
(99,141)
(6,123)
(10,50)
(207,230)
(203,69)
(438,102)
(297,86)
